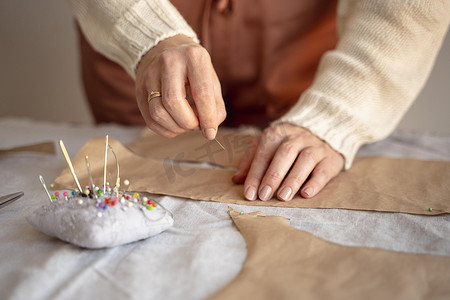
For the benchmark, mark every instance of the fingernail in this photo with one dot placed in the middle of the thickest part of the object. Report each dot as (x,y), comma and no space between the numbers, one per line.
(250,193)
(209,133)
(308,191)
(285,193)
(265,193)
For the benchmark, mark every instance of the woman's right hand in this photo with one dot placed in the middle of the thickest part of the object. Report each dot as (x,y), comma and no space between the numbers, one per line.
(191,97)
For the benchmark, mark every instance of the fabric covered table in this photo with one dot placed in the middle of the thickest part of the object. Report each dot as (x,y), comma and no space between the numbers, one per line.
(201,253)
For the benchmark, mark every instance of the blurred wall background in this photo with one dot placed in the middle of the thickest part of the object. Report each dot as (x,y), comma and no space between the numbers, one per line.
(39,75)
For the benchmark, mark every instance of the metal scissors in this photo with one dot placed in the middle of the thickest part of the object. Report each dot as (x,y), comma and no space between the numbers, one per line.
(8,199)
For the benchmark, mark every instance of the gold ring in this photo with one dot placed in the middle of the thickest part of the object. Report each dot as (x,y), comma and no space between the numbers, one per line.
(153,95)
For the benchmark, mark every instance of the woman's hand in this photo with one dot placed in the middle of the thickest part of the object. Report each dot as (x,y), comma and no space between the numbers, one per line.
(285,159)
(191,97)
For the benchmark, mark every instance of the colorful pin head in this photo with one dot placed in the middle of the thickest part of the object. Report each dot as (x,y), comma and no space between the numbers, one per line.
(100,197)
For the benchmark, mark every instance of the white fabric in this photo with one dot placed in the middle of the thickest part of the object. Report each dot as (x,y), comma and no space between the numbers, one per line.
(196,257)
(86,225)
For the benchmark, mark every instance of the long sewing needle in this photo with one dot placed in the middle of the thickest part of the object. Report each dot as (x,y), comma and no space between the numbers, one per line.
(45,187)
(66,156)
(219,143)
(118,172)
(104,170)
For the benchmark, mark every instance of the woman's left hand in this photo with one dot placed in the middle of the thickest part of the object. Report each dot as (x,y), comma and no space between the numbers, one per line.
(285,159)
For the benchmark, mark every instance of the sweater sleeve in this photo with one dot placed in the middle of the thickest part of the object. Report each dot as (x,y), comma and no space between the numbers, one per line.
(124,30)
(385,52)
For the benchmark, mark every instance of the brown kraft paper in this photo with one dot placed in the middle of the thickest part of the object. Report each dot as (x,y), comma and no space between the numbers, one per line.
(373,183)
(287,263)
(193,147)
(46,148)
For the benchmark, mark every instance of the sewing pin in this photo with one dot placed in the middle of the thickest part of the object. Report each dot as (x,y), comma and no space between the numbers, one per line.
(45,187)
(430,209)
(104,170)
(66,156)
(90,176)
(126,182)
(118,172)
(219,144)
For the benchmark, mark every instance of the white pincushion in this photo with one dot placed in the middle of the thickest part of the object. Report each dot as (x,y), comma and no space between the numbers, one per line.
(102,222)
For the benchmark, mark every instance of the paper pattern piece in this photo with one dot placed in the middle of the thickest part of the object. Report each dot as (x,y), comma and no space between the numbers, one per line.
(193,147)
(286,263)
(374,183)
(46,147)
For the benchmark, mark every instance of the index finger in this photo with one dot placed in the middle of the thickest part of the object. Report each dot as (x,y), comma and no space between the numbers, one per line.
(202,89)
(174,97)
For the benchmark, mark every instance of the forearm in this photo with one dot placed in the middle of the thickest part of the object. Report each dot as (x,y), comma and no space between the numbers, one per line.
(385,53)
(124,30)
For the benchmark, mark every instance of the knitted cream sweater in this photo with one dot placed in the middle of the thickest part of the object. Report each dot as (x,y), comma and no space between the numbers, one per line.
(361,90)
